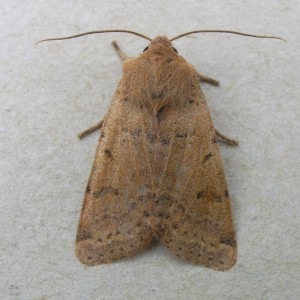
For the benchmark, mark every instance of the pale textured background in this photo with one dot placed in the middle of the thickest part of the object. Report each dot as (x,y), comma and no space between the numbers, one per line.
(52,91)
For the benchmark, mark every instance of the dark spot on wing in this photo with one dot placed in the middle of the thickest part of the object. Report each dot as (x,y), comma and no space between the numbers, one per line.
(226,194)
(134,205)
(164,141)
(207,157)
(228,241)
(88,186)
(200,194)
(151,137)
(137,133)
(105,190)
(84,235)
(160,113)
(141,198)
(175,226)
(181,135)
(108,153)
(163,200)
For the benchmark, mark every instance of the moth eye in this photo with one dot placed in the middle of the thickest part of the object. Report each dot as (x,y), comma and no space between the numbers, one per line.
(175,50)
(145,49)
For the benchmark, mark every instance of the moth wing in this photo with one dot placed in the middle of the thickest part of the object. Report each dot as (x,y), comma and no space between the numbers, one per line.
(193,210)
(115,216)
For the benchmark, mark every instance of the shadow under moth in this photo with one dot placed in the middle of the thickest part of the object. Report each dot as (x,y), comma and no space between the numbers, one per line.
(157,172)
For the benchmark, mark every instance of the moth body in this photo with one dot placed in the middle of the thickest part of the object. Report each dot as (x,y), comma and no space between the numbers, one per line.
(157,170)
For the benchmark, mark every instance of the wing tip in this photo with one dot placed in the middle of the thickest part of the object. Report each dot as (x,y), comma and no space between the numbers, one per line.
(220,258)
(92,252)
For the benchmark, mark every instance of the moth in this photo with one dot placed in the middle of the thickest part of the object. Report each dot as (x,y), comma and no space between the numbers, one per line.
(157,172)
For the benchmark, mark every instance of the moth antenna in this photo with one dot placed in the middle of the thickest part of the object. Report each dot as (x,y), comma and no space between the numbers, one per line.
(93,32)
(227,31)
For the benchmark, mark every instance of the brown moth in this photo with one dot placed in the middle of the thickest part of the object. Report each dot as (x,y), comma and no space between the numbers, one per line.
(157,172)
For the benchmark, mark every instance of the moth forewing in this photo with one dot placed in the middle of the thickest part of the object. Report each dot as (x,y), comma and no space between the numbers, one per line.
(114,221)
(192,209)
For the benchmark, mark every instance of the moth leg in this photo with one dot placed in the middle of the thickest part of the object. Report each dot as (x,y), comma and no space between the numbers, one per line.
(121,54)
(207,79)
(225,139)
(91,129)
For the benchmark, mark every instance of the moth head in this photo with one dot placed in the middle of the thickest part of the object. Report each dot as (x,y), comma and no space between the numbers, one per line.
(160,43)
